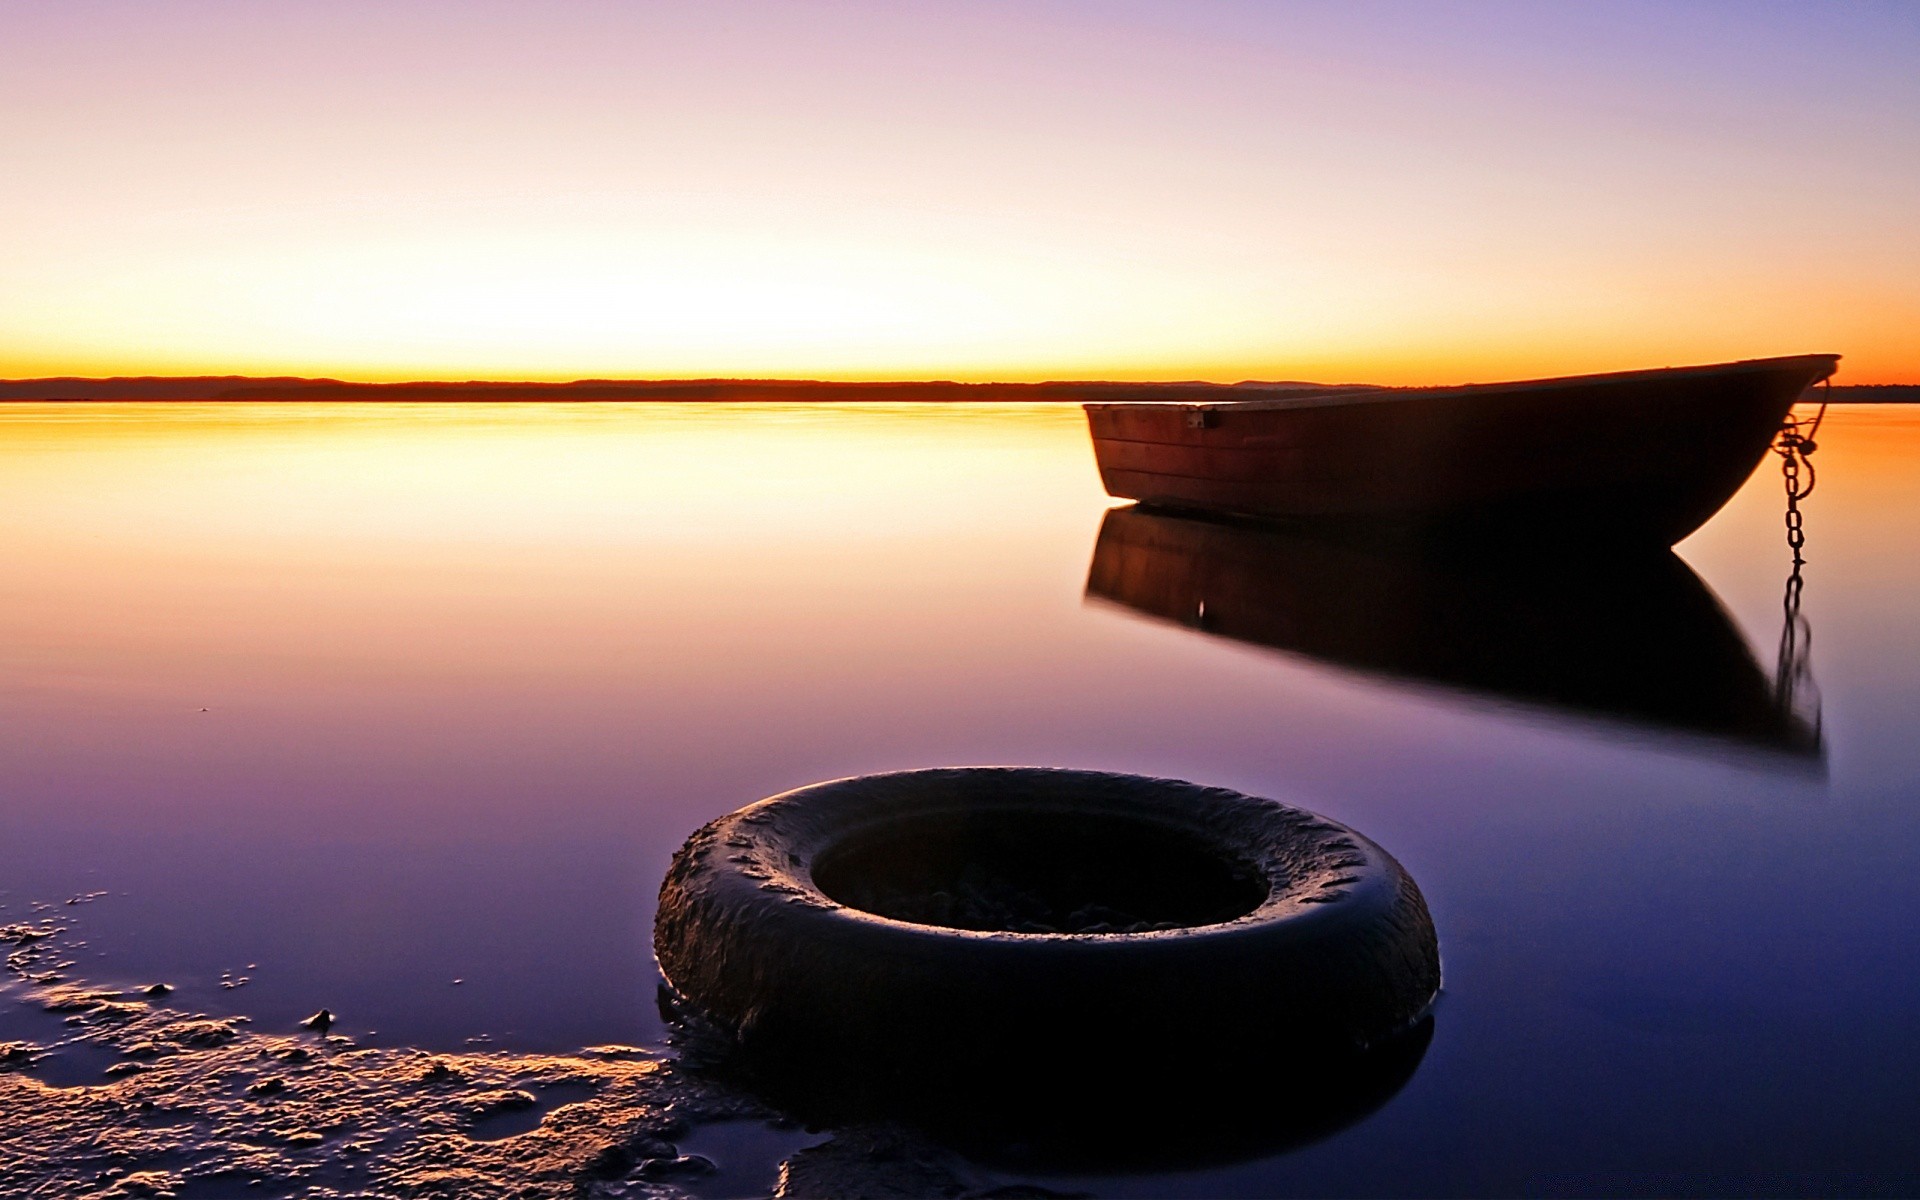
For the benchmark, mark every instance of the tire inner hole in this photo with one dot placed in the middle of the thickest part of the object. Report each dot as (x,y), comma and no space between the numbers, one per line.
(1026,872)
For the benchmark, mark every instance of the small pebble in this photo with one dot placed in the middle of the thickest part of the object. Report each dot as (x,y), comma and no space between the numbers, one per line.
(655,1169)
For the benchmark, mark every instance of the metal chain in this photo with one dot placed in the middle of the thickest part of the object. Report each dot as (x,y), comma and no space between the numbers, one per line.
(1793,677)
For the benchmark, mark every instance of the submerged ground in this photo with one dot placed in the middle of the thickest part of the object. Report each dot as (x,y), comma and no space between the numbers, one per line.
(400,712)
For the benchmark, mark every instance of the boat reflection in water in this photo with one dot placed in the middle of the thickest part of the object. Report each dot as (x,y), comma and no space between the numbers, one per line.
(1625,637)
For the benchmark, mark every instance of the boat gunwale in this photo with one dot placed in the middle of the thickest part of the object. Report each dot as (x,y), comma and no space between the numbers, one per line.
(1340,395)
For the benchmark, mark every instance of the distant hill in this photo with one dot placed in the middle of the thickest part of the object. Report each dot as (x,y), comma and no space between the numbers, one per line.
(287,388)
(1877,393)
(147,387)
(237,387)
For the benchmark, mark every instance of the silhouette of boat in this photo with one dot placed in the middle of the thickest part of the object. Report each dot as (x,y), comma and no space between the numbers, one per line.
(1629,637)
(1644,456)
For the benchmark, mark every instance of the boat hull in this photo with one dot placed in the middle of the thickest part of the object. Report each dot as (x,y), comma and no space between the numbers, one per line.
(1644,456)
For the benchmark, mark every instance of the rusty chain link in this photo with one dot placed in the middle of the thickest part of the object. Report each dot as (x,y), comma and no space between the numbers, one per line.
(1793,677)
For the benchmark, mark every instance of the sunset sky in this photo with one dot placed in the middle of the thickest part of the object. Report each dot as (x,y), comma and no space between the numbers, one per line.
(1350,191)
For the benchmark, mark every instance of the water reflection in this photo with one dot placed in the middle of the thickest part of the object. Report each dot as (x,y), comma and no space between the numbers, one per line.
(474,672)
(1144,1107)
(1635,638)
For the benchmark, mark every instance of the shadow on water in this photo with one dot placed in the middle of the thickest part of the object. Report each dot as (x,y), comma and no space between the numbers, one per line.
(1110,1121)
(1633,638)
(1139,1108)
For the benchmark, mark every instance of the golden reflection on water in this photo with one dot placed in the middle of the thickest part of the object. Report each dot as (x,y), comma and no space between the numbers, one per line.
(490,475)
(421,581)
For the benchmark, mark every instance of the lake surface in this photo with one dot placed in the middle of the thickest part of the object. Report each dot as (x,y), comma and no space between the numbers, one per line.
(402,710)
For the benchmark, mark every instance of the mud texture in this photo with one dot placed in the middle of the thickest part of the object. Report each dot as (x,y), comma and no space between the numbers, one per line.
(198,1106)
(187,1106)
(191,1105)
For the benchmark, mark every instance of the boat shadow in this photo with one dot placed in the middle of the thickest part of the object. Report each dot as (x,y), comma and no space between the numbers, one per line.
(1632,639)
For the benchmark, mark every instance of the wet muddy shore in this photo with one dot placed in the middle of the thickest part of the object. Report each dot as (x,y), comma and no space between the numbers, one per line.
(116,1092)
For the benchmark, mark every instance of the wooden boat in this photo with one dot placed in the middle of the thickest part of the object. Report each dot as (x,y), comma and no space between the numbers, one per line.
(1631,637)
(1643,456)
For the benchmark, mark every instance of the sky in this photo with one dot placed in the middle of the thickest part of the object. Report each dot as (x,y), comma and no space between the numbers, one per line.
(1393,193)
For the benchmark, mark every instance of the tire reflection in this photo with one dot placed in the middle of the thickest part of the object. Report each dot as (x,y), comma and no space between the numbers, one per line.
(1140,1107)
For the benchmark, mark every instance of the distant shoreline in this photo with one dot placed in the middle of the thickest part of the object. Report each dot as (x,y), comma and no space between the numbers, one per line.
(1876,393)
(246,389)
(241,388)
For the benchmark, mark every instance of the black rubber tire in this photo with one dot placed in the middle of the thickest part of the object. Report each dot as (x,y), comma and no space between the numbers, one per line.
(1340,954)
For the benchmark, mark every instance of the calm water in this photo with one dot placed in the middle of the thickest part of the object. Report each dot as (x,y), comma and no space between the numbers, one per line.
(358,702)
